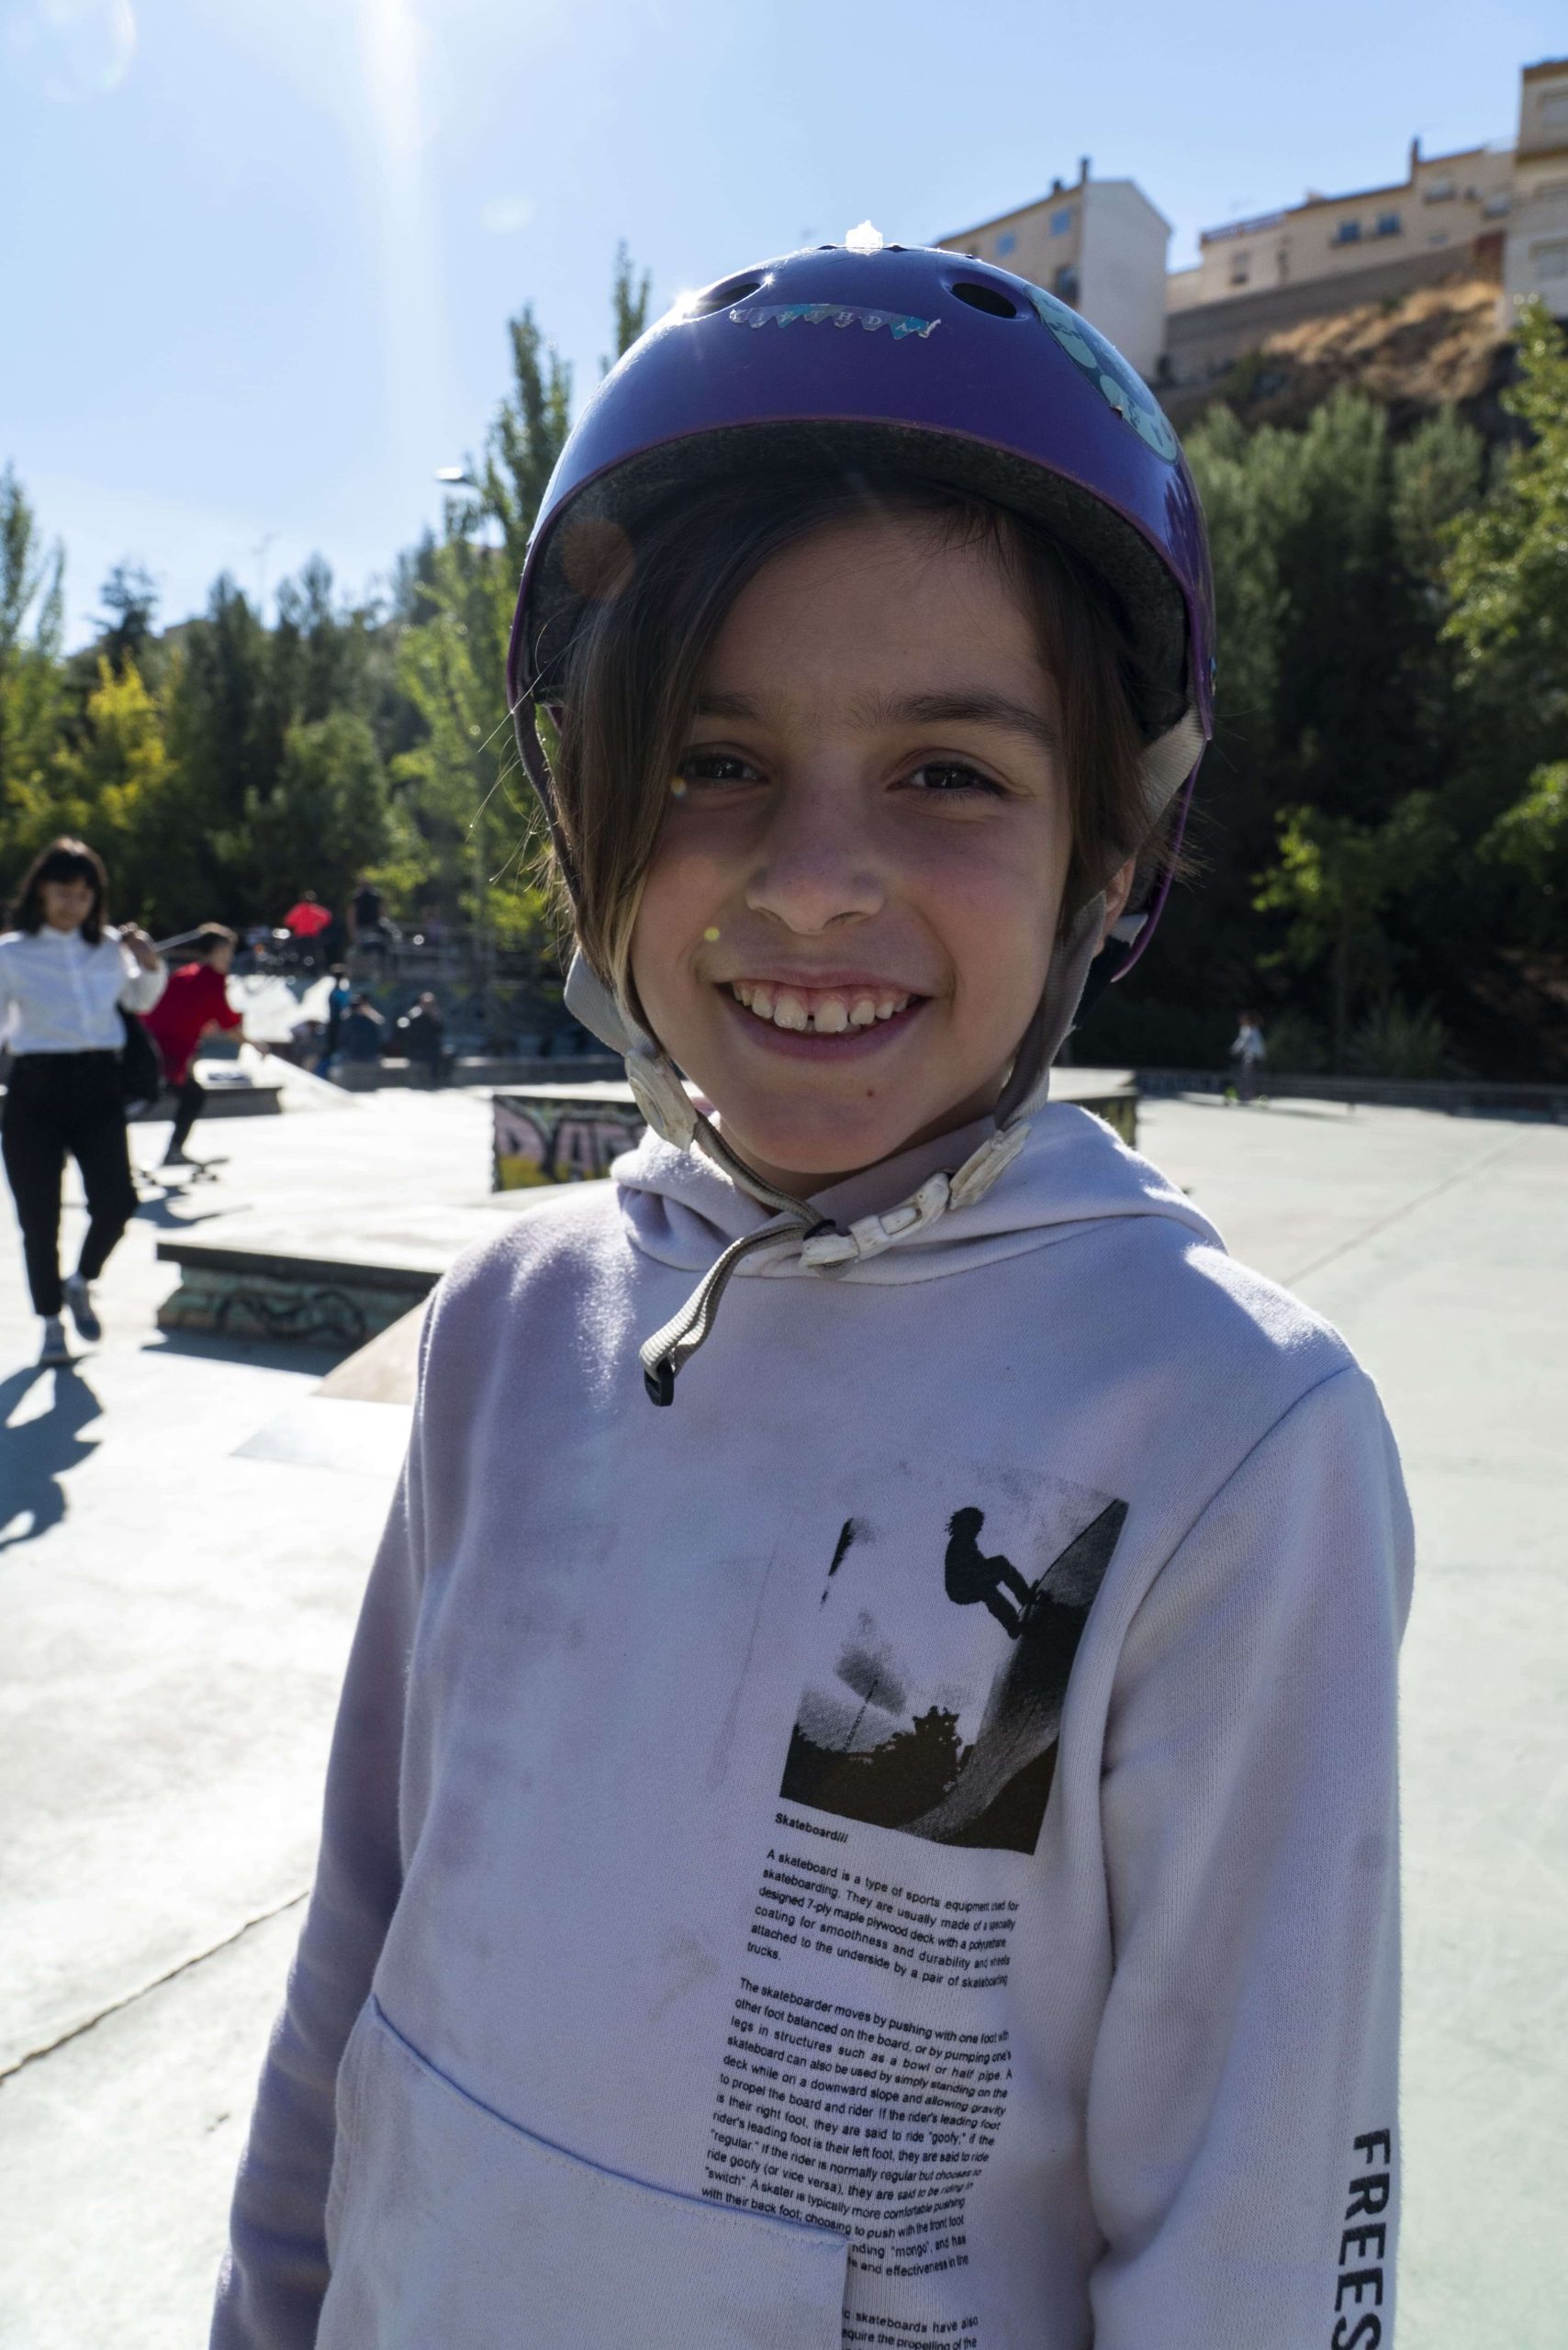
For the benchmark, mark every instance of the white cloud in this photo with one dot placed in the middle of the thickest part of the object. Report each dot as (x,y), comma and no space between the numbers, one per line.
(505,215)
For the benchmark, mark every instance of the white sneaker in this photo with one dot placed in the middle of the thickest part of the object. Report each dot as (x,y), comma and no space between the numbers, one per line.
(54,1349)
(79,1298)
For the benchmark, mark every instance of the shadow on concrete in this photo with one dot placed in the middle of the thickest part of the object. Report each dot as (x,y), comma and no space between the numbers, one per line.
(160,1207)
(36,1455)
(1318,1113)
(267,1354)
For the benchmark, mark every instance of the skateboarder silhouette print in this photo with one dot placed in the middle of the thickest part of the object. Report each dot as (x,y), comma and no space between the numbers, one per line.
(936,1702)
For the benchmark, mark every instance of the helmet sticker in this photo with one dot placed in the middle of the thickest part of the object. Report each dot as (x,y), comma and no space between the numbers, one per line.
(1115,382)
(816,314)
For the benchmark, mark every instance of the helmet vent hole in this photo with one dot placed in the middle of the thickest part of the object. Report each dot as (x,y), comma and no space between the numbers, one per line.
(721,297)
(989,299)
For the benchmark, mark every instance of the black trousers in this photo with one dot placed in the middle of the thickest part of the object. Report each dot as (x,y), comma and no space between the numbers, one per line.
(59,1103)
(189,1102)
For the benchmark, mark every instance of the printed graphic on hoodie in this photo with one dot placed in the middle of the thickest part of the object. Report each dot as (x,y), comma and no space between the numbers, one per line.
(945,1647)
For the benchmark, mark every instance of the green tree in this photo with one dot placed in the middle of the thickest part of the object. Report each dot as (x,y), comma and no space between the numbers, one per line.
(1507,571)
(460,780)
(1335,880)
(629,296)
(129,599)
(225,728)
(32,603)
(121,789)
(1507,577)
(1527,846)
(325,819)
(1336,755)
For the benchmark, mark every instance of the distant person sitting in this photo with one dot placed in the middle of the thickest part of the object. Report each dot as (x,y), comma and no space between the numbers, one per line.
(422,1034)
(195,1005)
(363,1031)
(1250,1053)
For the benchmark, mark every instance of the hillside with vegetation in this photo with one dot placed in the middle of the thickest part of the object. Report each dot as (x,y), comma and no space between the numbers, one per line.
(1438,347)
(1381,826)
(1381,834)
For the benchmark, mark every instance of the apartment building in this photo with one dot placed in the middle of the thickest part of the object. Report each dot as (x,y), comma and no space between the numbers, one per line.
(1099,245)
(1499,211)
(1534,257)
(1443,205)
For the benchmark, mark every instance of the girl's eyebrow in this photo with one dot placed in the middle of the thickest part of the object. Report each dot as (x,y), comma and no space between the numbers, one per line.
(961,706)
(966,706)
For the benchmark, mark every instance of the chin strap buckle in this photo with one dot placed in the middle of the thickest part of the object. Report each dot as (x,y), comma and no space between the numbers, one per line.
(870,1234)
(981,1168)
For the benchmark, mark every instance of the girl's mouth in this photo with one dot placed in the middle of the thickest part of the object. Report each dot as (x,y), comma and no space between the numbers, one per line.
(819,1011)
(861,1015)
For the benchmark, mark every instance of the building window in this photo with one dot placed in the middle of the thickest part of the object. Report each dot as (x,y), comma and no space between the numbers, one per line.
(1240,268)
(1550,260)
(1437,191)
(1348,232)
(1064,285)
(1388,224)
(1554,110)
(1497,205)
(1005,243)
(1061,222)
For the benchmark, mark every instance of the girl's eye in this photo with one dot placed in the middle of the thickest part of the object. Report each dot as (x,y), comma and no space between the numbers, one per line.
(714,769)
(952,777)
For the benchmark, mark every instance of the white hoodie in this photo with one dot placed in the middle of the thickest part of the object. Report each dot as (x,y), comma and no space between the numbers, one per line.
(743,1929)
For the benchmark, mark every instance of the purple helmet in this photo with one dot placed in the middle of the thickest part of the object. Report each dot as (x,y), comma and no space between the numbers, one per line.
(943,366)
(952,371)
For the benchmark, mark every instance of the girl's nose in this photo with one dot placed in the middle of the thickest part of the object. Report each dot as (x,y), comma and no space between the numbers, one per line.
(816,865)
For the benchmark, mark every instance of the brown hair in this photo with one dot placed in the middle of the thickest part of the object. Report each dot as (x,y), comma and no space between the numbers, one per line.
(64,860)
(214,935)
(632,677)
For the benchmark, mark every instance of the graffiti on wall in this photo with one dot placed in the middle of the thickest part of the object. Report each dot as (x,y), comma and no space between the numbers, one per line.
(540,1139)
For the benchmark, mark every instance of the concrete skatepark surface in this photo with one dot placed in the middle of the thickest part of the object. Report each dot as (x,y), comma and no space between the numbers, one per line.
(186,1525)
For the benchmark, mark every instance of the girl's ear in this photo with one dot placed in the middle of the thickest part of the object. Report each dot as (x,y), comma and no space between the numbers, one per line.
(1117,891)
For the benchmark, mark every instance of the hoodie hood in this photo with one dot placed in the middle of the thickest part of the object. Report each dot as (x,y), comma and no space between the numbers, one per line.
(1068,1170)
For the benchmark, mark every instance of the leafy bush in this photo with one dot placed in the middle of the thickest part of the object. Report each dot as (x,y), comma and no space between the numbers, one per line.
(1395,1041)
(1297,1046)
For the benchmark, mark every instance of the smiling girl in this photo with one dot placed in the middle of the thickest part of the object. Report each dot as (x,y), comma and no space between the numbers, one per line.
(898,1847)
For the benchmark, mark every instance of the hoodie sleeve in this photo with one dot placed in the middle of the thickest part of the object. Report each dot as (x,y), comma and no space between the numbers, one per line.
(1241,2117)
(273,2280)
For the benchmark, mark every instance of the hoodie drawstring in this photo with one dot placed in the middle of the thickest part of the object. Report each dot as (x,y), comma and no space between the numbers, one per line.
(822,1246)
(668,1351)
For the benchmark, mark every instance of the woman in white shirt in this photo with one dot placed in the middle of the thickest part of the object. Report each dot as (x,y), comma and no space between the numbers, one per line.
(65,977)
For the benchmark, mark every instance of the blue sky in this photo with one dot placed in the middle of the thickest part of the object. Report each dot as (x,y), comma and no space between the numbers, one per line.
(256,256)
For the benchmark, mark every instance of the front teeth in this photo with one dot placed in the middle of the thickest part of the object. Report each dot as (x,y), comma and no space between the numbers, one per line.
(819,1015)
